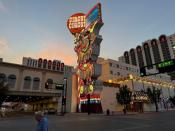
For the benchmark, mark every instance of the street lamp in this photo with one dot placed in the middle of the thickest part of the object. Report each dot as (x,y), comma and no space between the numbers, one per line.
(65,94)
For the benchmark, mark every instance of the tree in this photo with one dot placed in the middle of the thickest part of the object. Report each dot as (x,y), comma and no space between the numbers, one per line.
(154,96)
(124,96)
(172,99)
(3,91)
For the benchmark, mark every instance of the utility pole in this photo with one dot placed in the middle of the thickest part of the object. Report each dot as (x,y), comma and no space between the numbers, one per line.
(62,103)
(88,104)
(65,94)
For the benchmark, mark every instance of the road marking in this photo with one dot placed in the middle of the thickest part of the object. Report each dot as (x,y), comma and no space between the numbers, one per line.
(131,128)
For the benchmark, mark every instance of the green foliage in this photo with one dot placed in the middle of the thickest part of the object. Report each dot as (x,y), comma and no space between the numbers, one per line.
(3,91)
(172,99)
(154,96)
(124,95)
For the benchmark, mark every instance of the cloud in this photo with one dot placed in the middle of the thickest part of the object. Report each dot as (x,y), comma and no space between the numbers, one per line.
(3,45)
(3,8)
(57,51)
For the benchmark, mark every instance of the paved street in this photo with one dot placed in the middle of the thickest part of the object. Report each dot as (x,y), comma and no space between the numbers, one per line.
(145,122)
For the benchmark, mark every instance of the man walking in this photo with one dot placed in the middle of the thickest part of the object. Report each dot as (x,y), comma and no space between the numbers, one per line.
(42,124)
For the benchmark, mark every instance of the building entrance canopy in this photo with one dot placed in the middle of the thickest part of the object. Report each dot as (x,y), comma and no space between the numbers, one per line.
(27,97)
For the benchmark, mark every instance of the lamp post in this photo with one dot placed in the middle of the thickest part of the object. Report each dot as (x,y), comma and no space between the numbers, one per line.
(65,94)
(88,104)
(62,103)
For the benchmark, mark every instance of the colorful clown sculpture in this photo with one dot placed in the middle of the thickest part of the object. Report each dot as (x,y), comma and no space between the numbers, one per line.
(85,29)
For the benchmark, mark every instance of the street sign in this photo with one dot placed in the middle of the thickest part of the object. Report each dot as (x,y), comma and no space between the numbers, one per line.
(166,66)
(59,86)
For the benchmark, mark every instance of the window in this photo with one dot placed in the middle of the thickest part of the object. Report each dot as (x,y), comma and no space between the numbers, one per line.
(2,77)
(117,66)
(133,57)
(50,83)
(36,83)
(11,81)
(27,82)
(111,72)
(110,64)
(126,56)
(118,73)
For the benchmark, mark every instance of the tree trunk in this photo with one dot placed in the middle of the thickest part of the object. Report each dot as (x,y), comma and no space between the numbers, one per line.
(124,110)
(156,105)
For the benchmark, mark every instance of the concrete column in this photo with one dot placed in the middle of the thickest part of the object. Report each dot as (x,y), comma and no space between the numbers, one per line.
(20,80)
(43,81)
(74,94)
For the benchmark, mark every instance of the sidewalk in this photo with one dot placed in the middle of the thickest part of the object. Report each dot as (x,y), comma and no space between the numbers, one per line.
(16,114)
(98,114)
(113,113)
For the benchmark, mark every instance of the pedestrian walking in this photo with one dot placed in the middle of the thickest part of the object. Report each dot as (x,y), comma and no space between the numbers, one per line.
(3,112)
(42,124)
(107,112)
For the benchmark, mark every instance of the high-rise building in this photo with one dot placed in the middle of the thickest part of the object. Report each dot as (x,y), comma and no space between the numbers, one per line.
(172,42)
(151,51)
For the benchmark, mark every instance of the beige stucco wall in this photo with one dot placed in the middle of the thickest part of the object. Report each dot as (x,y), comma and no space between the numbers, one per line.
(108,99)
(74,100)
(149,107)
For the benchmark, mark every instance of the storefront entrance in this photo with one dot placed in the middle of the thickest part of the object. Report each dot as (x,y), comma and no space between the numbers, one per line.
(137,107)
(94,105)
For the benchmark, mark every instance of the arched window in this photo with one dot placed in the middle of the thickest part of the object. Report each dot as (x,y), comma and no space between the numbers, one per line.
(165,48)
(27,82)
(2,77)
(133,57)
(155,50)
(126,55)
(50,83)
(147,55)
(11,81)
(36,83)
(140,56)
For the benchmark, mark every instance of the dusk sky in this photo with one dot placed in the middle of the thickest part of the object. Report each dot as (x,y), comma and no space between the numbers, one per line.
(37,28)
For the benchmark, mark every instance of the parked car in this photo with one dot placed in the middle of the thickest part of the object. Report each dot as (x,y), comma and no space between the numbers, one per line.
(45,111)
(51,111)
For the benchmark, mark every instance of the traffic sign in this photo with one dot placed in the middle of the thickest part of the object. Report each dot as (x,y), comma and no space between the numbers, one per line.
(59,86)
(166,66)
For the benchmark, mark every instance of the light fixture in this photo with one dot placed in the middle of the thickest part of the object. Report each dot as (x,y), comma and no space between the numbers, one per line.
(110,81)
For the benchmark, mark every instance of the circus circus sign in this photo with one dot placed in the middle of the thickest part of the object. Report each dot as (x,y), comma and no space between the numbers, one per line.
(76,23)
